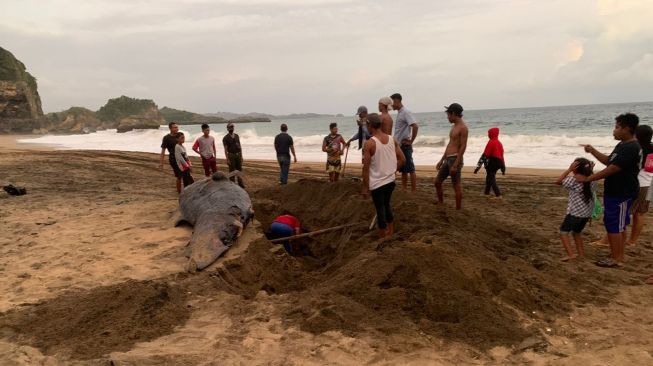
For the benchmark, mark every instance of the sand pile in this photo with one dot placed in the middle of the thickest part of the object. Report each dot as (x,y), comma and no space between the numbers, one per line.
(89,324)
(458,275)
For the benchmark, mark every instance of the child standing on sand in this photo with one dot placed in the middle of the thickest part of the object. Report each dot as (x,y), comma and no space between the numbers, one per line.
(492,160)
(333,145)
(580,207)
(182,160)
(204,146)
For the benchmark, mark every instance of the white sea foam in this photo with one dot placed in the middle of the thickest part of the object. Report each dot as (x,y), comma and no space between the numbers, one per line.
(531,151)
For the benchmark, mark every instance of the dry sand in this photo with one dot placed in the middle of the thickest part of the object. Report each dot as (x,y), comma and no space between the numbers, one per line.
(92,271)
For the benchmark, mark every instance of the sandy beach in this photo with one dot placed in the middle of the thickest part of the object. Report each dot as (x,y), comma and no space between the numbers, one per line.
(93,273)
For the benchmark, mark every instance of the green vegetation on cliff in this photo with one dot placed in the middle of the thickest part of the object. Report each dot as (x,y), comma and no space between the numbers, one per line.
(118,108)
(184,117)
(11,69)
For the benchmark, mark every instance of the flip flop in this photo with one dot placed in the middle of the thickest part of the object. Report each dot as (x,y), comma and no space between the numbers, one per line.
(598,243)
(607,263)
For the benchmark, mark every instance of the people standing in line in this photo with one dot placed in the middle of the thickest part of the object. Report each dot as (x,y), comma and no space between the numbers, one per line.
(169,143)
(579,208)
(621,185)
(363,134)
(451,163)
(493,161)
(333,145)
(405,133)
(233,152)
(385,106)
(204,146)
(283,144)
(183,162)
(382,157)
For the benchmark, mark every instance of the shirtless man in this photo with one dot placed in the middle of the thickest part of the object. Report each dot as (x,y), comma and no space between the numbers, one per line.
(452,160)
(385,106)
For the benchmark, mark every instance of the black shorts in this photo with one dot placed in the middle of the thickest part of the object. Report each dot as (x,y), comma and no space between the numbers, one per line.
(445,170)
(573,224)
(175,167)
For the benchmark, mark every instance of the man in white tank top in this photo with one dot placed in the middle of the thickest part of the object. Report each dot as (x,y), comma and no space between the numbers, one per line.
(382,157)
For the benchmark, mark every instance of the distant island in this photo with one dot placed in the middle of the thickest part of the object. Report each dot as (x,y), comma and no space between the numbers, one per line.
(230,115)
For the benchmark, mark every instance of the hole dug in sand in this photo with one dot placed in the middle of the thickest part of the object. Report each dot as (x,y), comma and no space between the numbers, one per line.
(454,275)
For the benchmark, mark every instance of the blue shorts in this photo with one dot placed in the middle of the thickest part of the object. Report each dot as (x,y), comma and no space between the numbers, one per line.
(617,214)
(279,230)
(409,166)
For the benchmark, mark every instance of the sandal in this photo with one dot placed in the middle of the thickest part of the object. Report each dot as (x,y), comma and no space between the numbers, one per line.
(598,243)
(608,263)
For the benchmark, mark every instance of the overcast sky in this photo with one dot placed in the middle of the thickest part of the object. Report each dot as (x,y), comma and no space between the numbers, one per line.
(330,56)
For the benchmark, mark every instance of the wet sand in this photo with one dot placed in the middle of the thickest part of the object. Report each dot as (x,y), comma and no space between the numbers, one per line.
(93,270)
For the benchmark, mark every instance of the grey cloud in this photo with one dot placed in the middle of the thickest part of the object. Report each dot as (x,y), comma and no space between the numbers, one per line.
(325,56)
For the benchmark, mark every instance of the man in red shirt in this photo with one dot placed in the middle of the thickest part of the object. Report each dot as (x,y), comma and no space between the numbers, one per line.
(284,226)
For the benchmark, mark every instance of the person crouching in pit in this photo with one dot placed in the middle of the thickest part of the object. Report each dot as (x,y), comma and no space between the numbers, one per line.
(382,157)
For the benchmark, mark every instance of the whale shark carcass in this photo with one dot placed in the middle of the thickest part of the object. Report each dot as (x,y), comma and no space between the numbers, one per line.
(219,210)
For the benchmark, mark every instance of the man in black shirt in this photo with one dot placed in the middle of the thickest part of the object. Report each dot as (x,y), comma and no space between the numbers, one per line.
(283,144)
(232,152)
(169,142)
(621,184)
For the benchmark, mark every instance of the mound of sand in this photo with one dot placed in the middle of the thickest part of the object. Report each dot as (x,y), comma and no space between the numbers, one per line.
(457,275)
(90,324)
(460,276)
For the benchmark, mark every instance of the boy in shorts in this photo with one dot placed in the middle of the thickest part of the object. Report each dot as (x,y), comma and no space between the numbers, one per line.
(333,145)
(204,146)
(621,184)
(451,163)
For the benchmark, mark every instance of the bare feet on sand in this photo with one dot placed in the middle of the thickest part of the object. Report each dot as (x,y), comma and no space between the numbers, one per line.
(569,258)
(600,243)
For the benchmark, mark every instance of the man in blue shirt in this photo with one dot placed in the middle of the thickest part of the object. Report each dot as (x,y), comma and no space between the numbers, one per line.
(405,133)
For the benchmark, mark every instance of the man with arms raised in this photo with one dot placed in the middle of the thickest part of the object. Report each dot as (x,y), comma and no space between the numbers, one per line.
(382,157)
(452,160)
(169,143)
(405,134)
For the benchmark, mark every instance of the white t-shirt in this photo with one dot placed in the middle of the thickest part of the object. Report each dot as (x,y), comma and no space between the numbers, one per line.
(644,178)
(205,146)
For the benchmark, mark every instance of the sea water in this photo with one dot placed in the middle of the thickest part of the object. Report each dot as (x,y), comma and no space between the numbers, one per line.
(545,137)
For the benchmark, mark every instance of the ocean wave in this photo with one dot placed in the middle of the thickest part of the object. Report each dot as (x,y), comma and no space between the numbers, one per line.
(521,150)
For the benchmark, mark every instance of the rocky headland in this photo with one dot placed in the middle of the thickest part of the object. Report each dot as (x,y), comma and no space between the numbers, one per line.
(20,104)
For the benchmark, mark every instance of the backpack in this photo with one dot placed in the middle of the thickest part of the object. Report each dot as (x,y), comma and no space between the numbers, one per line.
(597,212)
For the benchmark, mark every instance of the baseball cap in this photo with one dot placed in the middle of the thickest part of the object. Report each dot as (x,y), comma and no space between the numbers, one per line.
(361,109)
(230,124)
(454,108)
(387,101)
